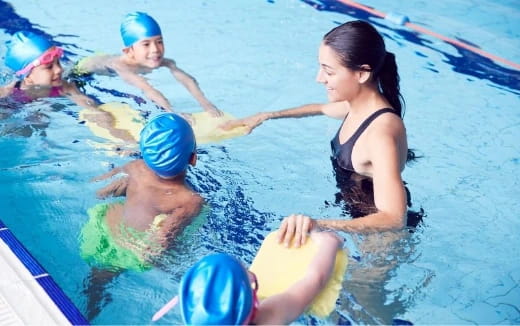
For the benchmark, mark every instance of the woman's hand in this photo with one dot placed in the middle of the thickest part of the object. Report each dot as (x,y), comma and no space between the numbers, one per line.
(250,122)
(295,226)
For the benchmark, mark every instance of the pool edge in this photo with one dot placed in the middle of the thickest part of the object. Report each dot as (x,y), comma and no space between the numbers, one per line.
(54,295)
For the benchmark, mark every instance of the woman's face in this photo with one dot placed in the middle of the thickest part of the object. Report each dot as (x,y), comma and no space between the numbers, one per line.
(46,74)
(342,83)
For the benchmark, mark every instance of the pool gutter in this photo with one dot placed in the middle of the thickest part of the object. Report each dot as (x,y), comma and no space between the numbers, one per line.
(28,294)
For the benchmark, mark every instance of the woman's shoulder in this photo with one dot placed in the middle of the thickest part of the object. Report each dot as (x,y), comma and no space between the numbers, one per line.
(386,129)
(337,110)
(388,122)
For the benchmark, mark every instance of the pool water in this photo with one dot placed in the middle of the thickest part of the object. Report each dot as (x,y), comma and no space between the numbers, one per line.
(460,266)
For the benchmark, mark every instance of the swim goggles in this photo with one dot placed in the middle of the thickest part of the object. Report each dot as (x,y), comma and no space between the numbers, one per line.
(46,58)
(254,285)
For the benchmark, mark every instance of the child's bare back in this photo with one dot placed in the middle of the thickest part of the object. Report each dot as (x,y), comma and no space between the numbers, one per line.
(159,203)
(149,196)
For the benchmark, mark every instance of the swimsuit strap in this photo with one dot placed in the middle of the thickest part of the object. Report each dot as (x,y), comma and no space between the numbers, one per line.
(366,123)
(343,152)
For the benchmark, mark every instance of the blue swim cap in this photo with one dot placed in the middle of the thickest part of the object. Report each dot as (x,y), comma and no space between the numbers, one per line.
(137,26)
(216,291)
(24,48)
(167,142)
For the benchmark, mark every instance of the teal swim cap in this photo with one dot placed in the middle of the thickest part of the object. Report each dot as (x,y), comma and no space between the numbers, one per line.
(23,48)
(137,26)
(216,291)
(167,142)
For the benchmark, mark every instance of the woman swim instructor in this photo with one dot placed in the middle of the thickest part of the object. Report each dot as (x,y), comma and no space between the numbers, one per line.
(363,90)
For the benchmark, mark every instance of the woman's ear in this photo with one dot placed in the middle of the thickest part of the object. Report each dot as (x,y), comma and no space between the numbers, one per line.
(364,74)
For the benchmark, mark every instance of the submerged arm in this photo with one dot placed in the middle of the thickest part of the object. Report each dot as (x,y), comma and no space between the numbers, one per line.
(95,115)
(178,219)
(116,188)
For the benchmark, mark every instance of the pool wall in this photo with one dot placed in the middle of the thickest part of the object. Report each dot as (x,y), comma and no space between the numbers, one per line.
(28,294)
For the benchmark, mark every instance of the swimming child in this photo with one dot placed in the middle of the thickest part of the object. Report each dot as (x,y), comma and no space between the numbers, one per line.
(159,204)
(218,290)
(36,63)
(143,53)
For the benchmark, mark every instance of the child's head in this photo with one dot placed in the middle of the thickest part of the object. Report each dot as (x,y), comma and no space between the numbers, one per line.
(143,39)
(217,291)
(168,145)
(34,58)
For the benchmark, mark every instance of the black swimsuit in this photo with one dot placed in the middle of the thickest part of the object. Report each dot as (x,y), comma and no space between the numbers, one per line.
(342,153)
(357,191)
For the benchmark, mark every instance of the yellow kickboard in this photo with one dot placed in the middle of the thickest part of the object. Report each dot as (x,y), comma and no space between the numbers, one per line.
(125,118)
(278,267)
(205,127)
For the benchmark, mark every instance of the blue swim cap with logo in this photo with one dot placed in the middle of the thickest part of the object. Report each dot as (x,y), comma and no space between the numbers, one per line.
(23,48)
(167,143)
(216,291)
(137,26)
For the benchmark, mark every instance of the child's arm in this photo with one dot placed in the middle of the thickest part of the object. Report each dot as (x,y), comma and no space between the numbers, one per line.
(102,118)
(6,90)
(140,82)
(286,307)
(193,87)
(177,220)
(117,187)
(75,95)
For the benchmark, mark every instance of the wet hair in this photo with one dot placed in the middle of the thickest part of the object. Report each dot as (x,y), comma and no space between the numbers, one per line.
(358,43)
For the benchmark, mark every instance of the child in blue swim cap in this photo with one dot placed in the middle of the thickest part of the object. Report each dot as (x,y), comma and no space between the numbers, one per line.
(143,52)
(158,205)
(35,61)
(155,185)
(218,290)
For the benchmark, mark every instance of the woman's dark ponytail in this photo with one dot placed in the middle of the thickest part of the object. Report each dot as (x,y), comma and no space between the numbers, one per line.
(389,83)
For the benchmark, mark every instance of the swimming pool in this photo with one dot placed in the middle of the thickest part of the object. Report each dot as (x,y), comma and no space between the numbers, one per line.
(460,267)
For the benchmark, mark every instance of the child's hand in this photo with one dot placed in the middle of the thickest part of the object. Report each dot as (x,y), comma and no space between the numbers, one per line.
(212,110)
(115,189)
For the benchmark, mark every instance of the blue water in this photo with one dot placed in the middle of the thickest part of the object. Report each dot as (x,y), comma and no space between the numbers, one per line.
(459,267)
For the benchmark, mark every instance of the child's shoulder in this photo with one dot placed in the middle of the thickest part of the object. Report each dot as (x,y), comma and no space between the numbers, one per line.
(6,90)
(98,63)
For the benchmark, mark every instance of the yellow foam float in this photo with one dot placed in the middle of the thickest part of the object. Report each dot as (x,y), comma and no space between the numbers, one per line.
(278,267)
